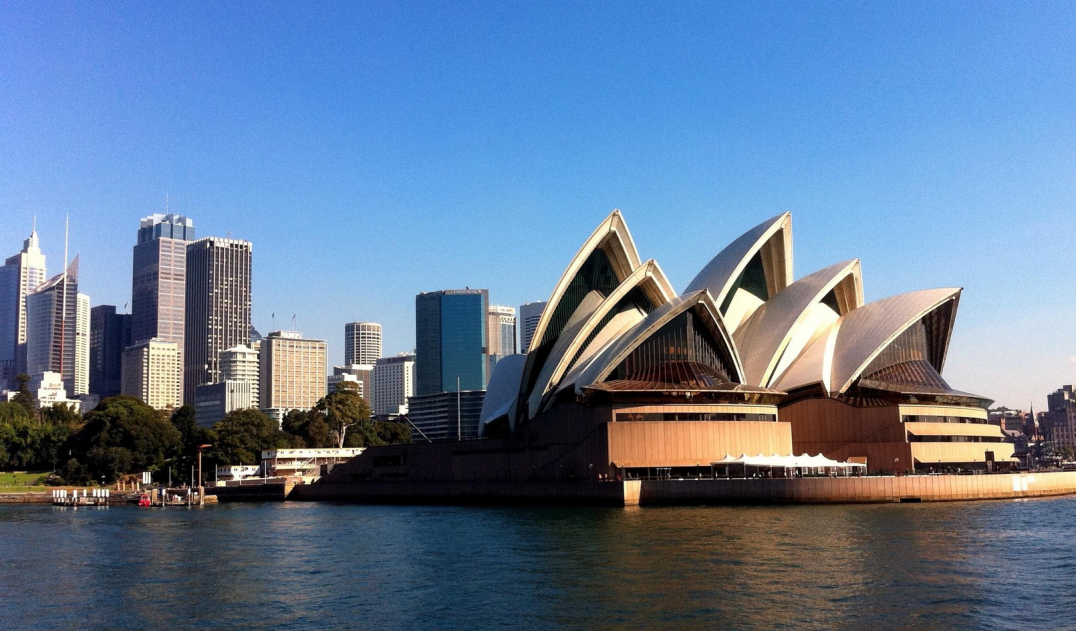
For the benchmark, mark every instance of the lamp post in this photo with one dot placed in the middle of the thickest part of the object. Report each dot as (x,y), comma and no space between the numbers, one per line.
(201,489)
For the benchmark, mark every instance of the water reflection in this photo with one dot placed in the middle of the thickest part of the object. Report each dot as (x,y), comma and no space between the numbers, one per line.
(962,565)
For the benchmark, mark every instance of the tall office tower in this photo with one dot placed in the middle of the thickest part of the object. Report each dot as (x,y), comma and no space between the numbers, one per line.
(110,334)
(240,363)
(394,382)
(529,315)
(19,277)
(58,331)
(159,280)
(362,343)
(151,373)
(218,307)
(450,337)
(500,334)
(292,371)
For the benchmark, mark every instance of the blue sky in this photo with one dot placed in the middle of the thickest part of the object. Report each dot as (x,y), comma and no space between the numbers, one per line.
(374,150)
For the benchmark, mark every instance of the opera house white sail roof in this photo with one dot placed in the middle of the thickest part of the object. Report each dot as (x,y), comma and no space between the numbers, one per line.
(615,324)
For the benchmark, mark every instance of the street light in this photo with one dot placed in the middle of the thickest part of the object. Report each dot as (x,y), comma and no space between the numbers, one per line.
(201,489)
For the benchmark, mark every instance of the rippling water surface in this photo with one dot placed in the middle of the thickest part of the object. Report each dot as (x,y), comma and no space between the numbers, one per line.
(321,566)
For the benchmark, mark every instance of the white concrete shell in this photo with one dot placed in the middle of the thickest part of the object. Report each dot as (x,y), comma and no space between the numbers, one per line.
(778,331)
(613,237)
(772,241)
(502,389)
(614,240)
(582,334)
(609,357)
(838,357)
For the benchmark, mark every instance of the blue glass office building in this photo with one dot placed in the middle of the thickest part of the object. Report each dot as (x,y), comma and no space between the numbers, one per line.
(450,340)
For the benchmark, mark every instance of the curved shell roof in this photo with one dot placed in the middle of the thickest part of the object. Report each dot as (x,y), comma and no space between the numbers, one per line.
(617,350)
(765,338)
(838,357)
(502,389)
(611,236)
(768,335)
(772,239)
(575,338)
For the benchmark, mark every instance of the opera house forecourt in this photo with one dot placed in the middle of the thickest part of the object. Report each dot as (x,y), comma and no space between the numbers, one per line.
(747,386)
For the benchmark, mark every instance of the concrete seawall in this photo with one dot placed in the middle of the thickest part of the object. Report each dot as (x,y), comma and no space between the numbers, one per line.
(935,488)
(486,492)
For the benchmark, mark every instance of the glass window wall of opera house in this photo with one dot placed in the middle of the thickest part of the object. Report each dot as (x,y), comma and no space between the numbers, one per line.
(625,377)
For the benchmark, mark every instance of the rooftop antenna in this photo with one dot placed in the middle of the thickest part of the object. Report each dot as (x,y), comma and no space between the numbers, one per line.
(166,203)
(293,323)
(33,229)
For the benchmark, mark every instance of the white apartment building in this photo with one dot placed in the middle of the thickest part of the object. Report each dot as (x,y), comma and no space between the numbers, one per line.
(240,363)
(150,371)
(394,382)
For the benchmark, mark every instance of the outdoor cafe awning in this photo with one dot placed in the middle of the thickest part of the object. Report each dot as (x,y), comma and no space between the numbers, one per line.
(801,461)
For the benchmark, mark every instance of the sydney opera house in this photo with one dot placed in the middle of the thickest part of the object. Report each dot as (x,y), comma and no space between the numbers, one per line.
(629,379)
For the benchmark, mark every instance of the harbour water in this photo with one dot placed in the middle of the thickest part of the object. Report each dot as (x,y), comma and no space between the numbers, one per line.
(974,565)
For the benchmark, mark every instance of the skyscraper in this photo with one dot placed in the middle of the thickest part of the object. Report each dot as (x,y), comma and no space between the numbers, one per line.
(58,331)
(218,307)
(501,335)
(151,373)
(529,315)
(450,336)
(110,334)
(394,382)
(362,343)
(292,371)
(158,280)
(19,276)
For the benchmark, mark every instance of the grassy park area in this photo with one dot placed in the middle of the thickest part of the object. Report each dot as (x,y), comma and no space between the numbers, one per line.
(23,481)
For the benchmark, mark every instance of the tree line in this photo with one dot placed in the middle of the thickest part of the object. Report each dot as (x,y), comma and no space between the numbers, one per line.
(123,435)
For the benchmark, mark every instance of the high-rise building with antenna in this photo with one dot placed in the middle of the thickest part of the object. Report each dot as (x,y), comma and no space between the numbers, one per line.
(58,331)
(20,275)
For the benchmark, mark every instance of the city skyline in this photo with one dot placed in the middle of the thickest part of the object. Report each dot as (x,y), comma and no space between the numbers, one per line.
(962,146)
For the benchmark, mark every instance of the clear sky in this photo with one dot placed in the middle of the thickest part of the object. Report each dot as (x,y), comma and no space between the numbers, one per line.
(373,150)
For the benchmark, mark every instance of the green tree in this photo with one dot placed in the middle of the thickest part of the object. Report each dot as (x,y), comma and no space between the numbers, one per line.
(27,442)
(124,435)
(62,415)
(23,396)
(393,433)
(342,410)
(242,435)
(293,422)
(184,419)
